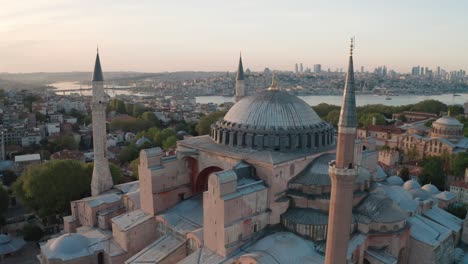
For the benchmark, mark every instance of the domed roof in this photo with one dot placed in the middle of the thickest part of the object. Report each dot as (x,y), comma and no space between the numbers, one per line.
(395,180)
(380,209)
(421,194)
(68,246)
(411,184)
(430,188)
(4,239)
(448,121)
(273,120)
(273,109)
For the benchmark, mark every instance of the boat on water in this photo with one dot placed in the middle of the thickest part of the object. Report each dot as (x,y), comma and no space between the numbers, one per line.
(388,98)
(456,95)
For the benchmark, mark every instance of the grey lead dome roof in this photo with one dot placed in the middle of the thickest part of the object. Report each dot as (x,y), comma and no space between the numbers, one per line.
(273,109)
(273,120)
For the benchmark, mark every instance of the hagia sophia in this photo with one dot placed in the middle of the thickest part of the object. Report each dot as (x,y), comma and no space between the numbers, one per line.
(271,183)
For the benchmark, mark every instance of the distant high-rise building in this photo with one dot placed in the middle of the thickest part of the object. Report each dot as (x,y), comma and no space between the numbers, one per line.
(296,69)
(415,70)
(302,68)
(362,69)
(438,72)
(422,71)
(317,68)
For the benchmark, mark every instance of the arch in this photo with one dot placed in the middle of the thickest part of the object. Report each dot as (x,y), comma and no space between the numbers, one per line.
(200,184)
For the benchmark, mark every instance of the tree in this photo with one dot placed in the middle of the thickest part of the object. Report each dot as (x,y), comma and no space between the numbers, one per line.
(457,209)
(366,119)
(430,106)
(459,164)
(134,165)
(203,126)
(128,153)
(32,232)
(433,172)
(169,142)
(323,109)
(333,117)
(455,110)
(405,174)
(428,123)
(8,178)
(66,141)
(151,117)
(48,188)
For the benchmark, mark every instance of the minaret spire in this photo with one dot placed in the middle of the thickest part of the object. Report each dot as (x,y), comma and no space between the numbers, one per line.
(240,85)
(102,178)
(343,173)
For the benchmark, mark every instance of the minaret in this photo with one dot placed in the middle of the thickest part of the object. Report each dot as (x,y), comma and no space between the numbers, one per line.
(343,173)
(240,85)
(102,179)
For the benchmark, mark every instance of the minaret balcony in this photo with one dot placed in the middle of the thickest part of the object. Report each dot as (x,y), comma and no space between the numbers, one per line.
(333,170)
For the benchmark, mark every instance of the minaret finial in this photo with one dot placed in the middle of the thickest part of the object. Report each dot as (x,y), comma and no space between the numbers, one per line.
(274,83)
(351,48)
(97,48)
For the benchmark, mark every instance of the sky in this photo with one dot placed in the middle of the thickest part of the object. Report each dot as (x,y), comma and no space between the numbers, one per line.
(207,35)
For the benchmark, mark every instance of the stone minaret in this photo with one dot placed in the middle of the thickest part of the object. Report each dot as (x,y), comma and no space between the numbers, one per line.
(102,179)
(343,173)
(240,85)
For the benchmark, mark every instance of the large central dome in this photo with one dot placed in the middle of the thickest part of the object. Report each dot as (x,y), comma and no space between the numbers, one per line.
(273,109)
(274,120)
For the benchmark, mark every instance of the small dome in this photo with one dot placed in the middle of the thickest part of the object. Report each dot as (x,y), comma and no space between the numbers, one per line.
(421,194)
(395,180)
(4,239)
(430,188)
(411,184)
(448,121)
(69,244)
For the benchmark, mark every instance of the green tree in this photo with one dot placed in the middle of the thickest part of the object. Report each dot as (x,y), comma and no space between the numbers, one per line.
(66,141)
(455,110)
(366,119)
(457,209)
(323,109)
(8,178)
(430,106)
(128,153)
(32,232)
(48,188)
(333,117)
(134,166)
(404,174)
(203,126)
(433,172)
(169,142)
(428,123)
(459,164)
(151,117)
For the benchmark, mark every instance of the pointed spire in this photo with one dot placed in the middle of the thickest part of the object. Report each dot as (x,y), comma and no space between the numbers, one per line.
(97,75)
(348,116)
(274,83)
(240,69)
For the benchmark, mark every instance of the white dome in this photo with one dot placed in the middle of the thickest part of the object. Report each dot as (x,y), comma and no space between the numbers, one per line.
(69,246)
(430,188)
(411,184)
(395,180)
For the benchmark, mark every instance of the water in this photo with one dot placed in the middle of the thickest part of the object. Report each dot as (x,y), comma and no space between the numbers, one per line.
(310,99)
(360,99)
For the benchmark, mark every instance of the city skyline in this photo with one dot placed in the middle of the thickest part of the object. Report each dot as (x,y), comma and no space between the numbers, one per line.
(53,36)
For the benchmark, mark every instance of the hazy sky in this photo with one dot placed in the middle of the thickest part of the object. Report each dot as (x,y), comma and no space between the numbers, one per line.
(173,35)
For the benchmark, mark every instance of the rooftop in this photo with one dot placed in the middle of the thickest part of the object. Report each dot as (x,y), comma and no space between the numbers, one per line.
(27,157)
(129,220)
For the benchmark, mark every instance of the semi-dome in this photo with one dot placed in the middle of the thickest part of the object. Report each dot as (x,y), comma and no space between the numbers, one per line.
(274,120)
(411,184)
(430,188)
